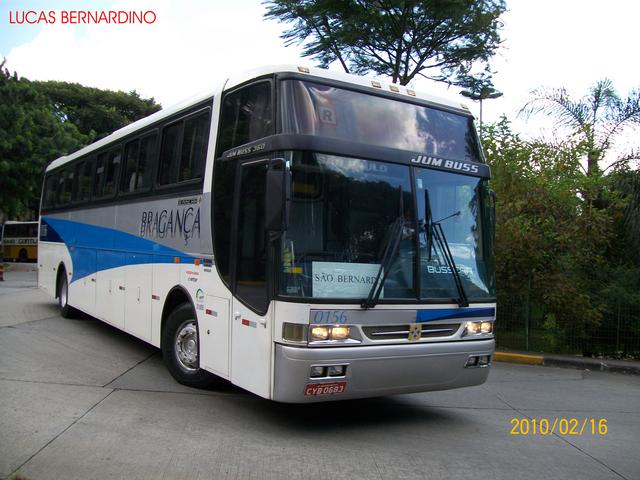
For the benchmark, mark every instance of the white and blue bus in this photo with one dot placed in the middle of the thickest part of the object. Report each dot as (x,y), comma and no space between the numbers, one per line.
(306,235)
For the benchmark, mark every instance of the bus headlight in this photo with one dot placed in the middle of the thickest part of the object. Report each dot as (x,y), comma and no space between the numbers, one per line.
(320,333)
(340,333)
(332,334)
(475,328)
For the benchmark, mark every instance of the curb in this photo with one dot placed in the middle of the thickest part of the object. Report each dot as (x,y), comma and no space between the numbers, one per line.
(593,364)
(582,363)
(520,358)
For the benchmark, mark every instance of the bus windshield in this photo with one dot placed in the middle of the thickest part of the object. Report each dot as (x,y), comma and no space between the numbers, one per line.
(342,214)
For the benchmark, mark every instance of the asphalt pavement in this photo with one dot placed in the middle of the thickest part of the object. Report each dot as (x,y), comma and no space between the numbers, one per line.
(82,400)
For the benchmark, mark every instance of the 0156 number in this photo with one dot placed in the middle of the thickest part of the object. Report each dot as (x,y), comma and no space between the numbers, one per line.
(330,316)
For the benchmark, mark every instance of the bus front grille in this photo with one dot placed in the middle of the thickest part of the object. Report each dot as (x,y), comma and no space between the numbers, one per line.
(401,332)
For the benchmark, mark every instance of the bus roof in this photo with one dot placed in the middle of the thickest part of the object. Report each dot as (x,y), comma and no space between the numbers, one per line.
(375,85)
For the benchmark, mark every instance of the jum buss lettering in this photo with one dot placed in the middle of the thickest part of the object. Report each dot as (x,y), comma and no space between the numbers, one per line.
(181,223)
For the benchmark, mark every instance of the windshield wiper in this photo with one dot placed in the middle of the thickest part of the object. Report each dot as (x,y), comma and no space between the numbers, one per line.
(390,250)
(433,230)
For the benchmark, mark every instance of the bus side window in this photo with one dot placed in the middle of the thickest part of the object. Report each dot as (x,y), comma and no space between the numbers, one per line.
(77,172)
(246,116)
(145,162)
(67,186)
(50,184)
(130,165)
(99,178)
(60,189)
(138,158)
(194,147)
(168,153)
(112,170)
(85,175)
(107,170)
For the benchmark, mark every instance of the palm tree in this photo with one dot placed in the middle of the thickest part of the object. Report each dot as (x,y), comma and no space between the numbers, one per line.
(479,88)
(597,120)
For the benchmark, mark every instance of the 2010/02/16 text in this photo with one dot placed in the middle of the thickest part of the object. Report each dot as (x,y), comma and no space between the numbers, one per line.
(561,426)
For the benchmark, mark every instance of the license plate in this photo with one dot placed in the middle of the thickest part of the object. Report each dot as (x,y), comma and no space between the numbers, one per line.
(315,389)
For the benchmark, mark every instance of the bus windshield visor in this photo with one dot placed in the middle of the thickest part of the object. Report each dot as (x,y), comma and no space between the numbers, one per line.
(345,213)
(314,109)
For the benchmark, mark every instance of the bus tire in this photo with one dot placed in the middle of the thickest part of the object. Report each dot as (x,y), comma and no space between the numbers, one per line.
(66,310)
(180,348)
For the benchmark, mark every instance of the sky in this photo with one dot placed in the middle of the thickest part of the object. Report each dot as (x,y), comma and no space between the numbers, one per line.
(194,44)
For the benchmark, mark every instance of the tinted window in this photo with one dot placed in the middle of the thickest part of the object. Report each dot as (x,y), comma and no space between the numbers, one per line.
(224,183)
(314,109)
(129,178)
(194,147)
(17,230)
(111,176)
(251,245)
(246,116)
(138,156)
(84,176)
(344,215)
(99,177)
(49,195)
(66,189)
(168,153)
(59,188)
(107,169)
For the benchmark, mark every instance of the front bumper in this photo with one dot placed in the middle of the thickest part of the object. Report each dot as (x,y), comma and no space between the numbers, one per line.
(379,370)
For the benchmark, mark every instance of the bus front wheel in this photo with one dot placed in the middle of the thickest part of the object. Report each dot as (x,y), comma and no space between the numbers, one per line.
(180,348)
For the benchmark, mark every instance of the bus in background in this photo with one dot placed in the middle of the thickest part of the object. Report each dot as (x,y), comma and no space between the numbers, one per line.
(19,241)
(305,234)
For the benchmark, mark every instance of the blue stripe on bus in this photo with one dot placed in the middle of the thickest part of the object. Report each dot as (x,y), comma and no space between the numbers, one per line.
(93,248)
(444,314)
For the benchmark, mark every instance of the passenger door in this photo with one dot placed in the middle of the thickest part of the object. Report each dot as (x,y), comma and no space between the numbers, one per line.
(251,336)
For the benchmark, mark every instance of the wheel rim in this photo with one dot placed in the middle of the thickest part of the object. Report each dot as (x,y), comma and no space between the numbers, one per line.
(186,346)
(63,294)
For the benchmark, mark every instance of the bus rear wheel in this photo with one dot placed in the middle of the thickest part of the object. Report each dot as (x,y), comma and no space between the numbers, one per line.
(66,310)
(181,350)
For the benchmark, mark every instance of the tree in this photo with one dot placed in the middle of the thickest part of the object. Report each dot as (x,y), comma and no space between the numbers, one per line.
(95,112)
(596,121)
(31,135)
(437,39)
(551,245)
(41,121)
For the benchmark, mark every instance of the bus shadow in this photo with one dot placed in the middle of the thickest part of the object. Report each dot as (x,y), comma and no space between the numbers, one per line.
(318,418)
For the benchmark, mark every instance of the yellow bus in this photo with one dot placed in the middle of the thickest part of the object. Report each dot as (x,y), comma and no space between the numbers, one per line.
(20,241)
